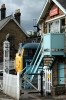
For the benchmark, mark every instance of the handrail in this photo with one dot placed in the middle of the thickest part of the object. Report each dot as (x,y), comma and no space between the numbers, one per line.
(36,59)
(27,70)
(39,61)
(36,51)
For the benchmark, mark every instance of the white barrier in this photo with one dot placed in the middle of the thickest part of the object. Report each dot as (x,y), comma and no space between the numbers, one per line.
(10,85)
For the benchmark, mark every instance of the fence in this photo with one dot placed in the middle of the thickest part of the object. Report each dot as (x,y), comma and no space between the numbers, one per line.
(47,80)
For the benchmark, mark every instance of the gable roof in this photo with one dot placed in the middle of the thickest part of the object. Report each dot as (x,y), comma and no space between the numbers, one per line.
(7,19)
(60,3)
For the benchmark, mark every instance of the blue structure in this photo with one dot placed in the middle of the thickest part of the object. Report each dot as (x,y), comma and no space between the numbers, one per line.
(51,44)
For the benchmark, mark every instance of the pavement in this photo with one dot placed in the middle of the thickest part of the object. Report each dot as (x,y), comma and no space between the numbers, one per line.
(25,97)
(35,96)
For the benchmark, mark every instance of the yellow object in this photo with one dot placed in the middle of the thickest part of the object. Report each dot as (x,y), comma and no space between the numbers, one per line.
(48,75)
(19,61)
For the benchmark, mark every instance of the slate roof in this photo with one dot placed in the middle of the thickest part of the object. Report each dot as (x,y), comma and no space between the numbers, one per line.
(7,19)
(63,3)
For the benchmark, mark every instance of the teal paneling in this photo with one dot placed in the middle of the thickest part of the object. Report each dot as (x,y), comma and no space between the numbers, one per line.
(57,41)
(61,73)
(54,43)
(46,41)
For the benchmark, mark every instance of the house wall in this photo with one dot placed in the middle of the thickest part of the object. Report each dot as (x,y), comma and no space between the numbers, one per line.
(47,17)
(15,32)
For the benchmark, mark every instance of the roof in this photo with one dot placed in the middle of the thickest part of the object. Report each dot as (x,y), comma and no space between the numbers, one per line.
(60,3)
(30,45)
(63,3)
(7,19)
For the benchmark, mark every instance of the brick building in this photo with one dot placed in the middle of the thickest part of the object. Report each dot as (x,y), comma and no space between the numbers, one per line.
(53,24)
(11,29)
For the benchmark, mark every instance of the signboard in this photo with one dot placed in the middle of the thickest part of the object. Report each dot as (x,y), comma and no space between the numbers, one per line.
(48,75)
(54,11)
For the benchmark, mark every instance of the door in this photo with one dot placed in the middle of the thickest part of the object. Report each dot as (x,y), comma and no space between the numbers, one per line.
(61,73)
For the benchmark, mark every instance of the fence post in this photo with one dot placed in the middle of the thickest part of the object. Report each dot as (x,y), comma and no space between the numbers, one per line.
(6,55)
(18,85)
(41,83)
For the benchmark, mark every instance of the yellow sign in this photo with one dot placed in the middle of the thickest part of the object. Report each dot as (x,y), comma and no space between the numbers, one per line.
(48,75)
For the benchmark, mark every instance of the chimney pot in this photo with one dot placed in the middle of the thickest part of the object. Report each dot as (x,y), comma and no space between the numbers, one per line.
(17,11)
(3,11)
(17,15)
(3,6)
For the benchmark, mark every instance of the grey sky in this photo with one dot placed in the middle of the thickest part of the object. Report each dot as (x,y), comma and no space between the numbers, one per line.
(30,9)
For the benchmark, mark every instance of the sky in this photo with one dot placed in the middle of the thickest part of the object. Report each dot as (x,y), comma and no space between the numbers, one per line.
(30,11)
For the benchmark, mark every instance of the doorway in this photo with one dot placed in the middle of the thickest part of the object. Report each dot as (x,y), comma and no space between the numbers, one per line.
(61,73)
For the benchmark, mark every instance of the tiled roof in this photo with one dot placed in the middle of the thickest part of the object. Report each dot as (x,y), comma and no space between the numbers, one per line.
(63,3)
(4,21)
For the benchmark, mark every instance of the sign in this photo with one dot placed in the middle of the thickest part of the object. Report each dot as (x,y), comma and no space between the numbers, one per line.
(54,11)
(48,75)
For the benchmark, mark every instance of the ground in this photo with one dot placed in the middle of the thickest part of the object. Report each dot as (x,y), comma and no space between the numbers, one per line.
(26,96)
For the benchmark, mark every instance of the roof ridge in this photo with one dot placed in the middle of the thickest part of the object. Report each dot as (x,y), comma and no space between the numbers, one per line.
(6,17)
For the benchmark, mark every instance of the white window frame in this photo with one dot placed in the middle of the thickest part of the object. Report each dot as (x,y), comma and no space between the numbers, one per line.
(54,19)
(52,22)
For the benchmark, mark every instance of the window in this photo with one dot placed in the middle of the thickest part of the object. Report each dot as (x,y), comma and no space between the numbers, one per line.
(62,25)
(54,26)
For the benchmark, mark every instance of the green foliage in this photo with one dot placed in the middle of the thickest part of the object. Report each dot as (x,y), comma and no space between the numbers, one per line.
(34,34)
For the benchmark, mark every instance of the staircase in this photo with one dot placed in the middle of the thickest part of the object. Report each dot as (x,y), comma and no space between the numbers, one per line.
(36,66)
(48,61)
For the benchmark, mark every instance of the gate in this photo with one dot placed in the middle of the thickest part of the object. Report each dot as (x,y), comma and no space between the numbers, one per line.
(47,80)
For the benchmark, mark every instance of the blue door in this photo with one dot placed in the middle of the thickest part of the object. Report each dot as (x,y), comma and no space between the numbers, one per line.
(61,73)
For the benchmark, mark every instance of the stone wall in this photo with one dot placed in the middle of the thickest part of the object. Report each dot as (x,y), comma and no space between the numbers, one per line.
(14,31)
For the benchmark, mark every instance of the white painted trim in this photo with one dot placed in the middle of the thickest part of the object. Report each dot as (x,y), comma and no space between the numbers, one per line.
(47,27)
(58,4)
(51,22)
(59,25)
(56,18)
(42,11)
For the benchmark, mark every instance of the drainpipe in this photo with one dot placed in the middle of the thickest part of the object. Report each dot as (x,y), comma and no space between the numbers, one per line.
(65,46)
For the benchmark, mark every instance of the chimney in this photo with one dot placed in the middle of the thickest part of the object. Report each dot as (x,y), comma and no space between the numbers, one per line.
(17,15)
(3,11)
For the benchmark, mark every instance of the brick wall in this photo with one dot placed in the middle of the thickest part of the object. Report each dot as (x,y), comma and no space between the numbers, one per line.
(60,13)
(55,69)
(47,17)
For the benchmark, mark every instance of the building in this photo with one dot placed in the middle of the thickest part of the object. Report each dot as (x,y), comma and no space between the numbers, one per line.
(53,26)
(11,29)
